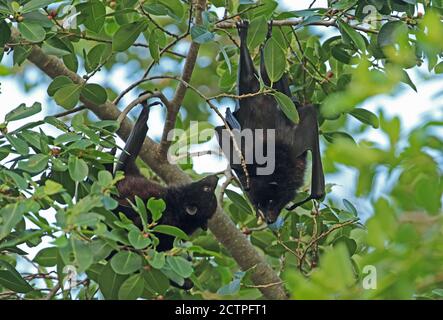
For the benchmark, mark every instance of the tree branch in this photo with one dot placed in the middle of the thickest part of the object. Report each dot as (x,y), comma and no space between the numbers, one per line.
(221,225)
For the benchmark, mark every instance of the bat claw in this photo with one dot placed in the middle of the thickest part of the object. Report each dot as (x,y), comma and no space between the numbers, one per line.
(269,34)
(242,27)
(242,24)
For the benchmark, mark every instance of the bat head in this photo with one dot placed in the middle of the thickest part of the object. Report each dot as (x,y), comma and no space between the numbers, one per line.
(269,196)
(197,202)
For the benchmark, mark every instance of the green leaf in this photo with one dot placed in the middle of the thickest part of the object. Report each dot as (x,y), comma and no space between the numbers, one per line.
(350,244)
(390,32)
(156,281)
(350,207)
(18,179)
(174,8)
(47,257)
(132,288)
(156,207)
(356,37)
(19,145)
(180,265)
(68,95)
(142,212)
(94,12)
(110,282)
(275,60)
(439,68)
(287,106)
(257,32)
(138,240)
(71,62)
(171,230)
(5,33)
(10,216)
(36,4)
(406,79)
(231,288)
(105,178)
(157,259)
(78,168)
(201,34)
(100,249)
(126,262)
(32,31)
(126,35)
(20,54)
(239,201)
(226,58)
(154,46)
(36,163)
(365,116)
(332,137)
(94,93)
(341,54)
(82,256)
(22,112)
(57,83)
(97,56)
(12,280)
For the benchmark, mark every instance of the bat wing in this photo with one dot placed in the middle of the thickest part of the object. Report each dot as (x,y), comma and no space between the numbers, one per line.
(306,139)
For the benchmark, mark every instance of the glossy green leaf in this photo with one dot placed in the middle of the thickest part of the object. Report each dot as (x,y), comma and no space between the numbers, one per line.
(180,265)
(68,95)
(32,31)
(110,282)
(257,32)
(171,230)
(200,34)
(126,262)
(12,280)
(58,83)
(78,168)
(36,4)
(127,34)
(366,116)
(132,288)
(275,60)
(47,257)
(22,112)
(94,93)
(287,106)
(138,240)
(350,32)
(156,281)
(239,201)
(156,207)
(36,163)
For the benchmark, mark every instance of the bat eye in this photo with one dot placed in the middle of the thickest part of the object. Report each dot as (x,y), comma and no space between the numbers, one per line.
(207,189)
(191,210)
(273,185)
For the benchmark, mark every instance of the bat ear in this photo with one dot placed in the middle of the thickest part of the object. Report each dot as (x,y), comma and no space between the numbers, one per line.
(210,181)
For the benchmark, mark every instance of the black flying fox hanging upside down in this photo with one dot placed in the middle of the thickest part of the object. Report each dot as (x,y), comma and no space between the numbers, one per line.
(271,192)
(188,207)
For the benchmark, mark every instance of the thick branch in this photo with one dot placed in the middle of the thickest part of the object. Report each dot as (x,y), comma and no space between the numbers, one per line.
(221,225)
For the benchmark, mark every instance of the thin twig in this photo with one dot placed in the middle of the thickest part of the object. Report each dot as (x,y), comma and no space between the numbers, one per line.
(53,291)
(264,285)
(296,22)
(156,24)
(68,112)
(321,236)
